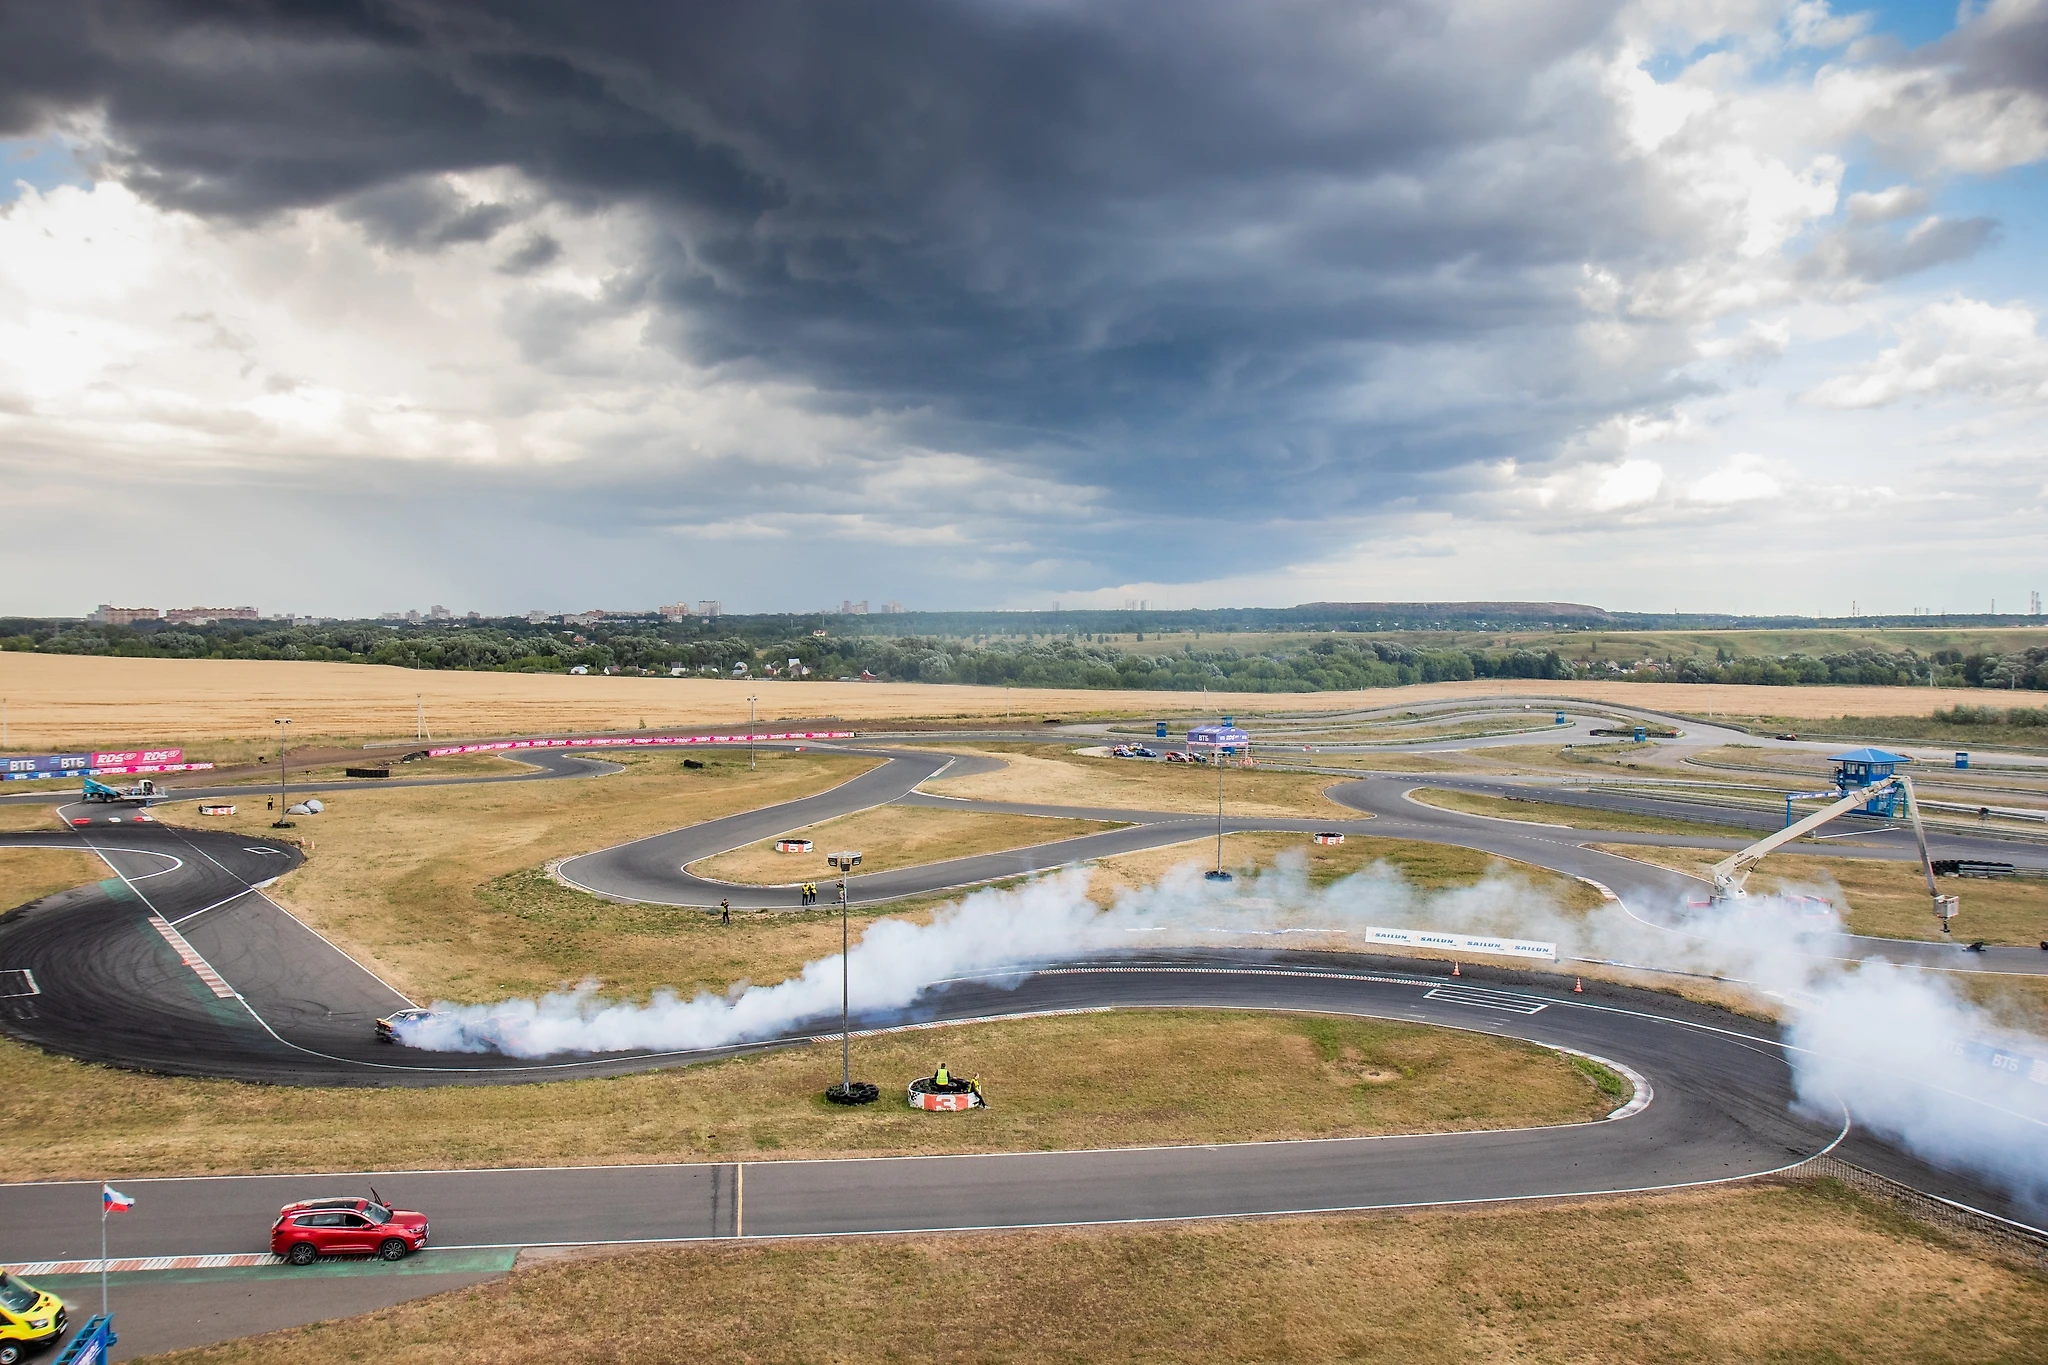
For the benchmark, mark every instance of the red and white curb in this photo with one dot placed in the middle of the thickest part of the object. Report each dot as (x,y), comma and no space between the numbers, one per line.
(1606,891)
(191,957)
(116,1265)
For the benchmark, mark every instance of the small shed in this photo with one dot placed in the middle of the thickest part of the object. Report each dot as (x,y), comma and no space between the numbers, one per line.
(1861,767)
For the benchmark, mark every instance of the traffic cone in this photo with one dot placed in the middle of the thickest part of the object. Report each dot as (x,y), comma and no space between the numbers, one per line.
(1578,986)
(1454,969)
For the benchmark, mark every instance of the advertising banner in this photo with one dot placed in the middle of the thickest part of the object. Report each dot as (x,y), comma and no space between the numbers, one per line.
(127,757)
(1464,943)
(32,767)
(629,741)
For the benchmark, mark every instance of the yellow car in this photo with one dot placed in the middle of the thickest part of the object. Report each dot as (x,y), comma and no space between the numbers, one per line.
(29,1318)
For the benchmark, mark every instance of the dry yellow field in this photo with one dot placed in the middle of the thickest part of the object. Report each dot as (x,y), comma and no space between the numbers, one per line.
(64,701)
(1747,1273)
(440,888)
(890,837)
(30,815)
(1042,774)
(28,874)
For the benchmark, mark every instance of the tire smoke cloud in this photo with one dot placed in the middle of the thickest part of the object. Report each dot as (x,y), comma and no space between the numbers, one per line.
(1905,1050)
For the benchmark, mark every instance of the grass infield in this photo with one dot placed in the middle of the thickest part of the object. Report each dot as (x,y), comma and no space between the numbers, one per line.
(891,837)
(28,874)
(1573,817)
(1260,1076)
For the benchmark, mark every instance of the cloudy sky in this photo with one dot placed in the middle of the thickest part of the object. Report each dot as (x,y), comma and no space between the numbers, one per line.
(1655,304)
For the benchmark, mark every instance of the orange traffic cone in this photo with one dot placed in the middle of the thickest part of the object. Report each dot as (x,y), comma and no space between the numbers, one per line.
(1578,986)
(1454,969)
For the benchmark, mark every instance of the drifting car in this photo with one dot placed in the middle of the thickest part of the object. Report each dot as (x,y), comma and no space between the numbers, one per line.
(30,1319)
(387,1027)
(312,1228)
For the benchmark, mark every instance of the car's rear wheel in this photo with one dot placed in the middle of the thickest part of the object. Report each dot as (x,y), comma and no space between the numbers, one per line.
(302,1253)
(393,1249)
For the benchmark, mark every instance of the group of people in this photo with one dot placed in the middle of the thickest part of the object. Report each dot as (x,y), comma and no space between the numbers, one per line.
(810,893)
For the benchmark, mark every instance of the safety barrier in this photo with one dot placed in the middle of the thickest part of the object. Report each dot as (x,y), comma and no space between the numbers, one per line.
(794,845)
(630,741)
(923,1096)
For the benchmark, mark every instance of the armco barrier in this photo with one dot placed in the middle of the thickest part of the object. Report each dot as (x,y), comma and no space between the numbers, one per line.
(630,741)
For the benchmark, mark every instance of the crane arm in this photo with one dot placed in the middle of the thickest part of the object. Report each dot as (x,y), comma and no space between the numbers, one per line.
(1732,871)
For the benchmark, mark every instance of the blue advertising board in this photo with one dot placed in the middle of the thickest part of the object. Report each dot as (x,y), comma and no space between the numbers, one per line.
(22,767)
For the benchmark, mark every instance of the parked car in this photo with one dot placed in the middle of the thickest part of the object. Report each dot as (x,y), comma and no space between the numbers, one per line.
(29,1318)
(1140,751)
(312,1228)
(1176,756)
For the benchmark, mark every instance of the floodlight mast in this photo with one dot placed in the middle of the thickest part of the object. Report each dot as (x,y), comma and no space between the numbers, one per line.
(845,862)
(1732,872)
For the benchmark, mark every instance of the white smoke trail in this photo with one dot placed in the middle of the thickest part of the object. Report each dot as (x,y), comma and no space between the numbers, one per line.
(1912,1058)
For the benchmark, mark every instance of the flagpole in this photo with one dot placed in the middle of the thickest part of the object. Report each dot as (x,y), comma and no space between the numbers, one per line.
(103,1251)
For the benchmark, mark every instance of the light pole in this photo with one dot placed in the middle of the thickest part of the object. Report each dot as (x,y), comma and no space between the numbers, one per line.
(846,1092)
(750,732)
(282,732)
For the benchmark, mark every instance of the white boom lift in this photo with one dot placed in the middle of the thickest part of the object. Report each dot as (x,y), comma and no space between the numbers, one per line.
(1732,871)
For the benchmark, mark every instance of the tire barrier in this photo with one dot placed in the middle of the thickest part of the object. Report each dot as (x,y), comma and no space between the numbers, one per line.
(215,808)
(793,845)
(366,772)
(1329,836)
(954,1097)
(858,1092)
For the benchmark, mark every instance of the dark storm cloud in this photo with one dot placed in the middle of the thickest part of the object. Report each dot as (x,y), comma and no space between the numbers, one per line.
(1182,252)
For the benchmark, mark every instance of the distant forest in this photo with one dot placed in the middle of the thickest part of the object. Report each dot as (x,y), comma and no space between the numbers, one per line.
(1023,650)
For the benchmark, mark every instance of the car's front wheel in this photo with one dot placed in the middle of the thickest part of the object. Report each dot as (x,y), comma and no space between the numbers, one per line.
(302,1253)
(393,1249)
(10,1351)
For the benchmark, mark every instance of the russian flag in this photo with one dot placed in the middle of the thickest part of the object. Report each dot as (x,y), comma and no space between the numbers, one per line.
(113,1201)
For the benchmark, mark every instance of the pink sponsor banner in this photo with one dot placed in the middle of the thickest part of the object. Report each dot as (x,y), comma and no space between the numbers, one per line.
(630,741)
(127,768)
(119,758)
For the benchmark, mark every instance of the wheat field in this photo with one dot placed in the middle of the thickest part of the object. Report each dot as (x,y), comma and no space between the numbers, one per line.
(58,702)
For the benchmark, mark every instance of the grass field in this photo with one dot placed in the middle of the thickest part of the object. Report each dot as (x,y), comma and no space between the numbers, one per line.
(1806,1272)
(1041,774)
(57,702)
(440,888)
(28,874)
(34,815)
(1573,817)
(1884,899)
(890,837)
(1429,866)
(1263,1076)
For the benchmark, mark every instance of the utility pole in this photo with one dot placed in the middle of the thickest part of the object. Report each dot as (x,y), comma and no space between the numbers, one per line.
(750,733)
(282,731)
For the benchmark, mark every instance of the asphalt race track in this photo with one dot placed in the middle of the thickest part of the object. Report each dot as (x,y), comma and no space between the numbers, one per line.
(179,963)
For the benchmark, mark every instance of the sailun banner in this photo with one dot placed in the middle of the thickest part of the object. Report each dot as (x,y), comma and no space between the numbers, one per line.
(1463,943)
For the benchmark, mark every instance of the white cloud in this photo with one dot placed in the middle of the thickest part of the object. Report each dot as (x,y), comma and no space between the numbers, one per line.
(1745,478)
(1960,345)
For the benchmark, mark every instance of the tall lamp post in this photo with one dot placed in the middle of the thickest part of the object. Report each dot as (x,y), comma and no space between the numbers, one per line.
(751,725)
(848,1091)
(281,823)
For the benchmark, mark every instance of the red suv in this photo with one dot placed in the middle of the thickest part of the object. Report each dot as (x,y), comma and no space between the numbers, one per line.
(313,1228)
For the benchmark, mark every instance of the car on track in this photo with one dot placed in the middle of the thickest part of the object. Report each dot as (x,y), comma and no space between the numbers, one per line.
(312,1228)
(387,1027)
(30,1318)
